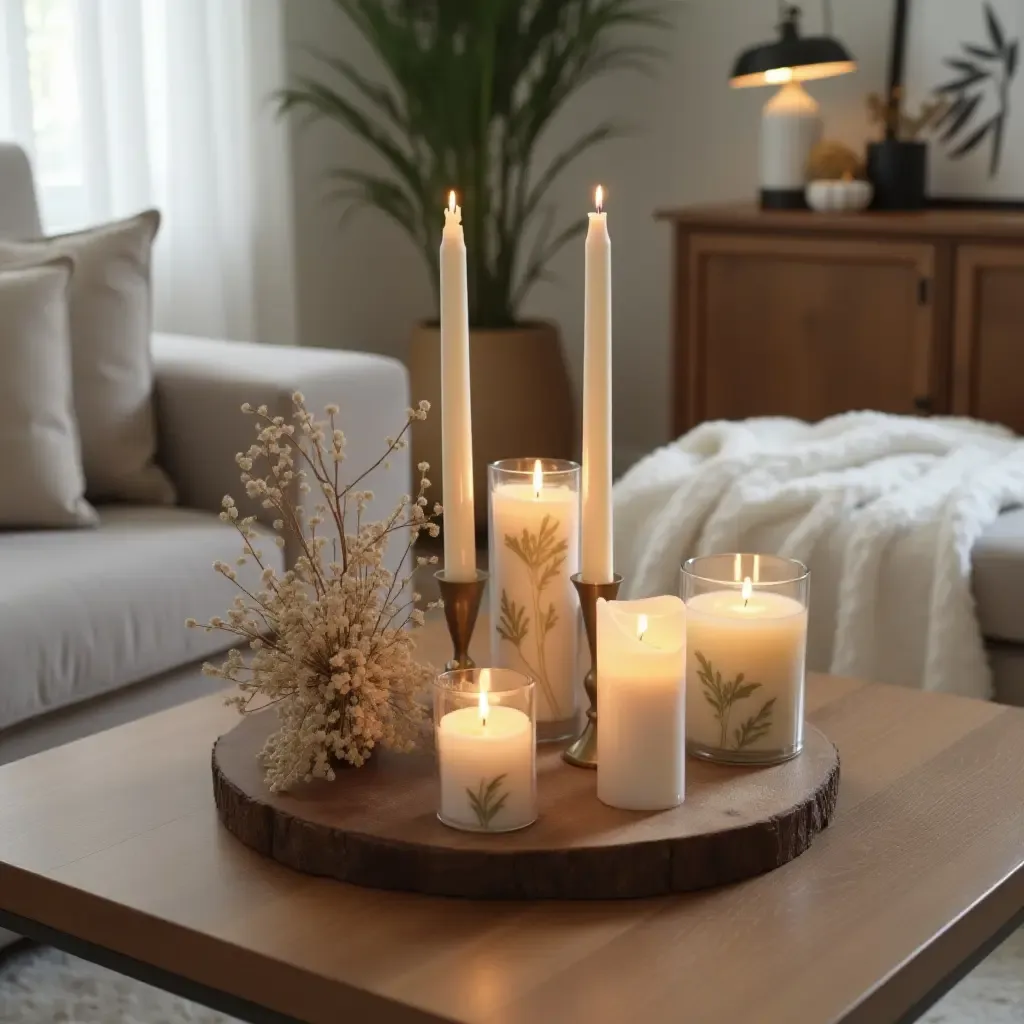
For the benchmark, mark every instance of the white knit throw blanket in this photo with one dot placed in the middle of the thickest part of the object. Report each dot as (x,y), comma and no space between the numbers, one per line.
(884,510)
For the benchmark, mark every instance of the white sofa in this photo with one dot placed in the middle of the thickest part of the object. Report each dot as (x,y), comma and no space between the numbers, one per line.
(92,620)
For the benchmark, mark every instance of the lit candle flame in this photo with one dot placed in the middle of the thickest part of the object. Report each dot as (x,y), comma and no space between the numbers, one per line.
(451,200)
(641,626)
(599,198)
(538,478)
(748,590)
(485,707)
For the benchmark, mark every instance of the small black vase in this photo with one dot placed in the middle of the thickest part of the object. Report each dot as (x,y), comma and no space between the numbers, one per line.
(899,171)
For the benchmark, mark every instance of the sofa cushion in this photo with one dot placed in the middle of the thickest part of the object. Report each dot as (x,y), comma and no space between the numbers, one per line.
(41,479)
(998,578)
(110,353)
(87,612)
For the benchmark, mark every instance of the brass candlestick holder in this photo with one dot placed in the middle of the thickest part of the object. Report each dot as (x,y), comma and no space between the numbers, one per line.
(461,606)
(583,753)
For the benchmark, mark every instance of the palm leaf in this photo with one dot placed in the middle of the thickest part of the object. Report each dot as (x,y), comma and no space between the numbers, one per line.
(974,139)
(466,91)
(995,30)
(964,66)
(965,107)
(603,132)
(314,99)
(951,111)
(962,83)
(379,96)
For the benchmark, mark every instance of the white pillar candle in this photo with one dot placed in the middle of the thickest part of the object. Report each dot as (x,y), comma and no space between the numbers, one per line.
(596,560)
(534,608)
(745,672)
(486,765)
(456,419)
(641,694)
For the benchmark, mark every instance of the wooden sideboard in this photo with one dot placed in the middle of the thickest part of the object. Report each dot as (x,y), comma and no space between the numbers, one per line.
(806,314)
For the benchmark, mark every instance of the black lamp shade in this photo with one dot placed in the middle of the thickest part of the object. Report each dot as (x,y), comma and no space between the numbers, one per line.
(792,58)
(807,56)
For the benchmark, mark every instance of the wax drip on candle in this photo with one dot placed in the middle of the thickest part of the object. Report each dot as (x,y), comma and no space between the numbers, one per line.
(641,626)
(453,215)
(599,198)
(538,478)
(748,589)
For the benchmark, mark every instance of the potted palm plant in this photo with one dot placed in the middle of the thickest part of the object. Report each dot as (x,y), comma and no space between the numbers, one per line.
(468,89)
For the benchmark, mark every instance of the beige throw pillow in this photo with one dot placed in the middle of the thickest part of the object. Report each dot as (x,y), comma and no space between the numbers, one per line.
(41,479)
(109,304)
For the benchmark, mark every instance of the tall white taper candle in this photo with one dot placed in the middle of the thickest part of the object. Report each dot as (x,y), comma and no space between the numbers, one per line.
(456,419)
(596,556)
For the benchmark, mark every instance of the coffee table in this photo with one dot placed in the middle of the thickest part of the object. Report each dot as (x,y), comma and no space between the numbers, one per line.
(110,848)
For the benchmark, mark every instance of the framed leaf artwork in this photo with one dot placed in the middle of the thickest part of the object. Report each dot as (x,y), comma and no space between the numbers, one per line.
(967,53)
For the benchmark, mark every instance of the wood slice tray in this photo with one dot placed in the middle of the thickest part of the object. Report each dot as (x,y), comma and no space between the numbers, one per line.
(376,826)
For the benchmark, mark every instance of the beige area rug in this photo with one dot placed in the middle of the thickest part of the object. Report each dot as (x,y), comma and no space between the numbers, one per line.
(44,986)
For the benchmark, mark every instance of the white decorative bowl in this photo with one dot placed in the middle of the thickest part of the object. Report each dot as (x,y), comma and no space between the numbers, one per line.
(839,196)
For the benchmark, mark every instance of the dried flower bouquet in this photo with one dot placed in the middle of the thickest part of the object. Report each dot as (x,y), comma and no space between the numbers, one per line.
(331,641)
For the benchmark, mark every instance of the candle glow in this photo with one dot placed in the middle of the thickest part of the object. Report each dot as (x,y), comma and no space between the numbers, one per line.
(641,626)
(485,707)
(451,200)
(748,590)
(538,478)
(599,198)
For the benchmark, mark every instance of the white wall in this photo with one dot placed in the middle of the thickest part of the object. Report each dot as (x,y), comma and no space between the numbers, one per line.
(364,286)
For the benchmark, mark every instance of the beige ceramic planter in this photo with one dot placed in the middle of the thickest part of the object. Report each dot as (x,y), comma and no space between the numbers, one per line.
(522,400)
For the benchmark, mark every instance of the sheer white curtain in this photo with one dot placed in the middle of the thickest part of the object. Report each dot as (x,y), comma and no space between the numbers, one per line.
(127,104)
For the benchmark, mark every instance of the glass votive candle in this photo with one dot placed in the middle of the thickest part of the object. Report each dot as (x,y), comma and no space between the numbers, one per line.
(746,649)
(534,520)
(485,735)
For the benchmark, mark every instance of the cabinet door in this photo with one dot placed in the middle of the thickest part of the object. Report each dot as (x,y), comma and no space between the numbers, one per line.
(807,327)
(988,346)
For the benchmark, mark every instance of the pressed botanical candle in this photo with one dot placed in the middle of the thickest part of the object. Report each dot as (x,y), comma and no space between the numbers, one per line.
(534,536)
(746,633)
(485,734)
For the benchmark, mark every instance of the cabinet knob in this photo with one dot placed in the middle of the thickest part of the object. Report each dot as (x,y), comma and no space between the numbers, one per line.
(923,404)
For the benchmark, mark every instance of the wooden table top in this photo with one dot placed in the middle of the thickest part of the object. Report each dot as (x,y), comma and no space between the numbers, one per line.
(113,841)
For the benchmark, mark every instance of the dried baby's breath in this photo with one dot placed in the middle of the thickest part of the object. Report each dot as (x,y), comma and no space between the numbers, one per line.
(330,639)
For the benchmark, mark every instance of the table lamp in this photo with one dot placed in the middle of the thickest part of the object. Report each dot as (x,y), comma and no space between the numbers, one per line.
(790,122)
